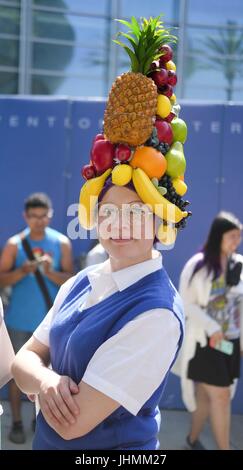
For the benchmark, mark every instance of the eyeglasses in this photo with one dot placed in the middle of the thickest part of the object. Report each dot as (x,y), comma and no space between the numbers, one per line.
(39,217)
(130,212)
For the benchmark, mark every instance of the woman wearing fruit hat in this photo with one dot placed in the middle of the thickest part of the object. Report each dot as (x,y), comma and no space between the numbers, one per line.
(211,286)
(115,329)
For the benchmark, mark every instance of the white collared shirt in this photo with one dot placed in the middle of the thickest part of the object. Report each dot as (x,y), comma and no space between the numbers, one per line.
(130,365)
(6,352)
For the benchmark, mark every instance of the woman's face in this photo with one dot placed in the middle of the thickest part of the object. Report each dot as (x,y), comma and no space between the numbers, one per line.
(125,227)
(230,241)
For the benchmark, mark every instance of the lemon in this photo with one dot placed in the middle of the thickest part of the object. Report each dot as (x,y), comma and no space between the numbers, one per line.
(163,106)
(170,65)
(121,174)
(180,186)
(166,234)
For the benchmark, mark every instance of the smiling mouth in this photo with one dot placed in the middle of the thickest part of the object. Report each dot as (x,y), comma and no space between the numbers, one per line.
(121,239)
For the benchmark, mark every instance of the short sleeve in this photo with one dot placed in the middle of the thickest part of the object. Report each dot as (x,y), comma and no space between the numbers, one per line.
(132,364)
(42,331)
(6,352)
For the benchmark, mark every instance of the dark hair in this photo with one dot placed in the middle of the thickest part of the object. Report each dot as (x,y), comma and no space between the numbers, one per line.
(37,200)
(223,222)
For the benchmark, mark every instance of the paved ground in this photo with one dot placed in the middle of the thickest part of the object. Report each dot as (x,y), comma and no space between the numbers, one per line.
(175,425)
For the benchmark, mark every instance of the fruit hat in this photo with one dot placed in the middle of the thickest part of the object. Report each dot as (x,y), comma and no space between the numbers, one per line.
(143,136)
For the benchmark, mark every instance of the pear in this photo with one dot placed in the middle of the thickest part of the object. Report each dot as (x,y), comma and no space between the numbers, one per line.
(179,129)
(176,162)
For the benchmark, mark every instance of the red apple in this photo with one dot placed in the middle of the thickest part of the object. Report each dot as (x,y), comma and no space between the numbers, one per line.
(167,53)
(170,117)
(122,152)
(166,90)
(102,155)
(88,172)
(99,137)
(164,131)
(160,77)
(172,78)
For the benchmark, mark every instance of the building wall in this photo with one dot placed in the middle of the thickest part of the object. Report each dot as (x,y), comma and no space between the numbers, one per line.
(64,47)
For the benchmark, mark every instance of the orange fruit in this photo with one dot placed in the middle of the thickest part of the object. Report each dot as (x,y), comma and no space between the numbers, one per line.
(182,177)
(149,160)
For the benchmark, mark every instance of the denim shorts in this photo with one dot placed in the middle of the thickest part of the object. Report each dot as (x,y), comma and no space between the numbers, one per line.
(18,338)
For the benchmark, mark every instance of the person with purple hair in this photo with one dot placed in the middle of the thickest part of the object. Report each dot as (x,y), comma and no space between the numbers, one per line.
(211,287)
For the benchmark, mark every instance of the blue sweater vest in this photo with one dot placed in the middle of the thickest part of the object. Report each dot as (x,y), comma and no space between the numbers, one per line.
(75,336)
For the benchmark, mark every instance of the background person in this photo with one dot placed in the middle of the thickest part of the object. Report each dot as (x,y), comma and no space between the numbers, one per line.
(212,290)
(27,306)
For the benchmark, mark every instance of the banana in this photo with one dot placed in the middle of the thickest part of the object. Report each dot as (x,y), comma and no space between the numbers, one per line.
(88,198)
(150,195)
(180,186)
(166,234)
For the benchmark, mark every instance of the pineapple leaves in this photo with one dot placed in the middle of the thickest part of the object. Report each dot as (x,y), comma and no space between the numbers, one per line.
(135,27)
(126,23)
(146,38)
(133,58)
(131,40)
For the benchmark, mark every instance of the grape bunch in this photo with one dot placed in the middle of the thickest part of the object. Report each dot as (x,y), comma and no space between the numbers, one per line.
(163,147)
(175,198)
(154,142)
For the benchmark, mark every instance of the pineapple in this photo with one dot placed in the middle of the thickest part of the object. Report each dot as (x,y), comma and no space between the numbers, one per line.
(132,101)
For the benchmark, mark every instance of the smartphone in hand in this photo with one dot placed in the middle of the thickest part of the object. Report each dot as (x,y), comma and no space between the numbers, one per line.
(225,347)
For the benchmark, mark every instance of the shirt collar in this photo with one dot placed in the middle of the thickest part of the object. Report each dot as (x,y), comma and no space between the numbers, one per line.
(127,276)
(102,269)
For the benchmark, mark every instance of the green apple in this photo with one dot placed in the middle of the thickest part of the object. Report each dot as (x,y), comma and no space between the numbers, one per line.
(176,162)
(179,129)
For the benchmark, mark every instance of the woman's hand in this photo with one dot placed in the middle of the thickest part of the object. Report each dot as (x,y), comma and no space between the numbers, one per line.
(56,400)
(215,339)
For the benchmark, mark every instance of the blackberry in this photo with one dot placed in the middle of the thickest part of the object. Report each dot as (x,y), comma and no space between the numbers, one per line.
(149,142)
(162,148)
(186,203)
(181,224)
